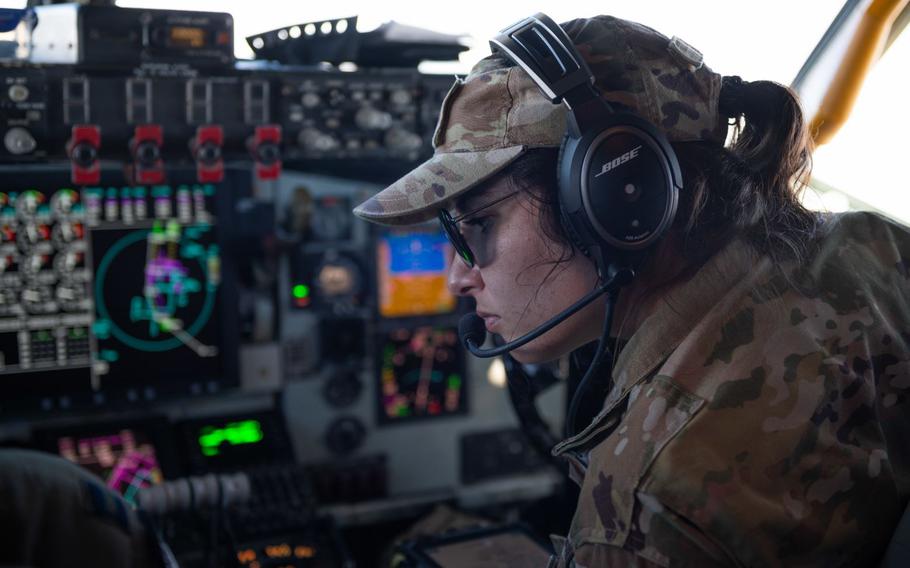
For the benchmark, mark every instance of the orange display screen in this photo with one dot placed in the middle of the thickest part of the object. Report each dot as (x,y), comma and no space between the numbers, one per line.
(184,36)
(412,275)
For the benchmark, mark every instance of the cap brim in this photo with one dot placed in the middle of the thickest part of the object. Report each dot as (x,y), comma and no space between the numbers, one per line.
(417,196)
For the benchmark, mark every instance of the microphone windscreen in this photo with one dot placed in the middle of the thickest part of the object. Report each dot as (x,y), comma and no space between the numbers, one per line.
(471,328)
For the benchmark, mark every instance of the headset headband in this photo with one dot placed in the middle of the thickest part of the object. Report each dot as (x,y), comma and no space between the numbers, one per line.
(543,49)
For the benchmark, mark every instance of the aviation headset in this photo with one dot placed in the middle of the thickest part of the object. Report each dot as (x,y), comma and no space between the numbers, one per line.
(619,178)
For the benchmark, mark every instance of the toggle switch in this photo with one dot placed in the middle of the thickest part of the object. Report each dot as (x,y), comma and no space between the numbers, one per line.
(82,149)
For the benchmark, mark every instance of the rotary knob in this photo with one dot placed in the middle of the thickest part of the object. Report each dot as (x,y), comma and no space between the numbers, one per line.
(403,140)
(67,262)
(33,263)
(18,141)
(345,435)
(310,100)
(66,232)
(312,139)
(18,93)
(37,299)
(343,389)
(30,234)
(401,97)
(70,296)
(369,118)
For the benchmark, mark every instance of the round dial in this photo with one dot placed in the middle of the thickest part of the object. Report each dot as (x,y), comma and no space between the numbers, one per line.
(345,435)
(27,203)
(338,278)
(342,389)
(63,201)
(38,299)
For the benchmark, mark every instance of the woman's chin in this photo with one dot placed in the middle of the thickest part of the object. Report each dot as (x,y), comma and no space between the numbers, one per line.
(528,355)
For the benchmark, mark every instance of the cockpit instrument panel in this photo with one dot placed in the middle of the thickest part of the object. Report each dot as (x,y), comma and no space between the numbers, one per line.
(421,374)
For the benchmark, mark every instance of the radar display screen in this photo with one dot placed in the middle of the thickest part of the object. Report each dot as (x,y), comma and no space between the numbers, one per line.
(412,275)
(115,293)
(155,294)
(421,374)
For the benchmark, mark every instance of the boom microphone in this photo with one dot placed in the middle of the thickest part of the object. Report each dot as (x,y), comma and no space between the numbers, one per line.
(472,330)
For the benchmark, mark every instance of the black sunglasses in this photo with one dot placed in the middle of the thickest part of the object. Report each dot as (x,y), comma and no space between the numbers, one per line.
(450,226)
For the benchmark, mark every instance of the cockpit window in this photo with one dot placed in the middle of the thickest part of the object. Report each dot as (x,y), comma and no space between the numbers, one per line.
(865,165)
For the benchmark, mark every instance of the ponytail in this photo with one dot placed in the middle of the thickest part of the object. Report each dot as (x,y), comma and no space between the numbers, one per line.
(750,188)
(773,140)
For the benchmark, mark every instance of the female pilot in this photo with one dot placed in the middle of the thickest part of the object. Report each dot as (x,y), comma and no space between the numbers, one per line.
(758,411)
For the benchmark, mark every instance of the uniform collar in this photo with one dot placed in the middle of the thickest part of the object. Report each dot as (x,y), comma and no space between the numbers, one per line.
(676,313)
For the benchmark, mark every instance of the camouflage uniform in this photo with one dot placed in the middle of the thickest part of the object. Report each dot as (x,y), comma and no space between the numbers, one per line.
(759,415)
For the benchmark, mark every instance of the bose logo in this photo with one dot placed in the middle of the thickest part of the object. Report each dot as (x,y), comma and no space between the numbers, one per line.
(612,164)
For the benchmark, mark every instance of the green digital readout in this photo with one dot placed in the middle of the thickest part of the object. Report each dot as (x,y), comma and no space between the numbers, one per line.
(233,433)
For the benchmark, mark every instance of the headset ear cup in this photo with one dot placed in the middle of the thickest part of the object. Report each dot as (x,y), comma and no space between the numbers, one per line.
(567,226)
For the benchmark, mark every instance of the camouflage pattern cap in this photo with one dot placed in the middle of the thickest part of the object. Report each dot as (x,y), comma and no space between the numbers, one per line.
(497,113)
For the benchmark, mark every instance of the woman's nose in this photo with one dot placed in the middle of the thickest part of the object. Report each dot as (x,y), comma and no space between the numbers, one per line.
(462,280)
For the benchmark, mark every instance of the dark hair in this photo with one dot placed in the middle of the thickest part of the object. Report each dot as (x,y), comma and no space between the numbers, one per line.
(750,188)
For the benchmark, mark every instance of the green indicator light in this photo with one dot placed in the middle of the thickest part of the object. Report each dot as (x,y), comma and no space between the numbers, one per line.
(301,291)
(234,434)
(454,382)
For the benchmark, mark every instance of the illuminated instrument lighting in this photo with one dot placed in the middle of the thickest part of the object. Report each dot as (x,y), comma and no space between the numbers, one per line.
(282,550)
(301,551)
(246,556)
(301,291)
(235,434)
